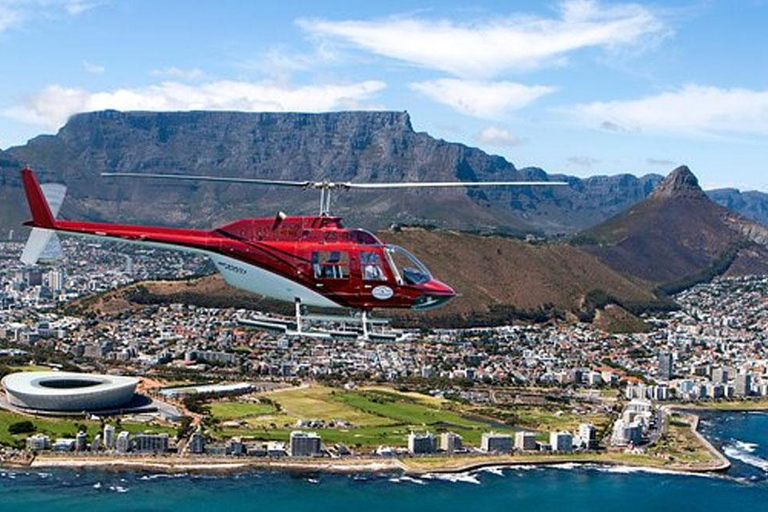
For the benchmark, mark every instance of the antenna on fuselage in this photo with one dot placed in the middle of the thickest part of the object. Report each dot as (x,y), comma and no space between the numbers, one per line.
(326,187)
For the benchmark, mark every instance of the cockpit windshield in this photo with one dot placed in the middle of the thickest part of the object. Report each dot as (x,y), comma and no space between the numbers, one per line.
(406,267)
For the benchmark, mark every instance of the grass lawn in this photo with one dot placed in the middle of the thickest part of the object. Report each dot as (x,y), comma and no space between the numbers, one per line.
(30,368)
(237,410)
(315,402)
(403,408)
(680,442)
(548,420)
(63,427)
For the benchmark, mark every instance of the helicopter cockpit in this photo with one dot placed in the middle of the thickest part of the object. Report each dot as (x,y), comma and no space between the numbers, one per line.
(406,267)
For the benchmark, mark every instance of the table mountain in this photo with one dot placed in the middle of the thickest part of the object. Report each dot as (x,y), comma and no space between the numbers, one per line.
(355,146)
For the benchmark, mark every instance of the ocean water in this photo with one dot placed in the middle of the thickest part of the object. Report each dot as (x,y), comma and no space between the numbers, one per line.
(744,437)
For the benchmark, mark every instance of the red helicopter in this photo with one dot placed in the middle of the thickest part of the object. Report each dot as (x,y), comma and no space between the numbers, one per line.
(308,261)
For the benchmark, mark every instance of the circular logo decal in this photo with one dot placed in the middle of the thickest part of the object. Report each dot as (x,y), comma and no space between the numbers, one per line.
(383,292)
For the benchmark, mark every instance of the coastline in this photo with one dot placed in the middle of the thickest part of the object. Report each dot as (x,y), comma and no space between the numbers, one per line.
(415,466)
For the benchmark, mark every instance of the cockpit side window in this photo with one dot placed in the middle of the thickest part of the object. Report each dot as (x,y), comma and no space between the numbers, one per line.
(372,266)
(330,264)
(408,269)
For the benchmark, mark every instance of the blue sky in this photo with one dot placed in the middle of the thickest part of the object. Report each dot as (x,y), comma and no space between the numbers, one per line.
(579,87)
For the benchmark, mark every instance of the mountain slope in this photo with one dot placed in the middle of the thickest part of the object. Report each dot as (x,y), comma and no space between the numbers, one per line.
(498,280)
(676,233)
(751,204)
(357,146)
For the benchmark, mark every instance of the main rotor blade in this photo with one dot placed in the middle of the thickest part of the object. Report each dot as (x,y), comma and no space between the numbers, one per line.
(434,184)
(191,177)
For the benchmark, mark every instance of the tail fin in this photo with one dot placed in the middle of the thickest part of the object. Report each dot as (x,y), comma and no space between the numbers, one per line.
(42,217)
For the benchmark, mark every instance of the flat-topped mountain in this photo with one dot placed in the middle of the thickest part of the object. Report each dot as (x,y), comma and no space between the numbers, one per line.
(345,146)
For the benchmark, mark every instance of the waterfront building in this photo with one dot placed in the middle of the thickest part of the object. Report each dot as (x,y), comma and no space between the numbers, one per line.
(587,437)
(96,444)
(493,442)
(276,449)
(561,441)
(742,385)
(525,441)
(38,443)
(123,442)
(304,444)
(81,441)
(109,437)
(157,443)
(63,445)
(197,442)
(236,447)
(421,443)
(450,442)
(627,433)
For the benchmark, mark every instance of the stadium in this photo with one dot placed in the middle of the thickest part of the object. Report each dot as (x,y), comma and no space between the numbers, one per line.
(67,392)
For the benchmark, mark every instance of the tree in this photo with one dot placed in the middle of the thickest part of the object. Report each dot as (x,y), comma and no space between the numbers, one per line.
(22,427)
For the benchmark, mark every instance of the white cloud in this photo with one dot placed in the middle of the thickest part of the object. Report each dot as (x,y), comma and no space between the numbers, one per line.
(583,161)
(690,110)
(482,49)
(495,136)
(180,73)
(481,99)
(52,106)
(14,13)
(92,68)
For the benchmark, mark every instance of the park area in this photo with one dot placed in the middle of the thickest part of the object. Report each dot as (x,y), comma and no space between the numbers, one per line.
(365,417)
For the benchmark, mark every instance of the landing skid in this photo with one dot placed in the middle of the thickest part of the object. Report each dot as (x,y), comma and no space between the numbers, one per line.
(356,327)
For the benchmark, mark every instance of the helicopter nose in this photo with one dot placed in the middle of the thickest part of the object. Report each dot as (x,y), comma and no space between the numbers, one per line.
(435,294)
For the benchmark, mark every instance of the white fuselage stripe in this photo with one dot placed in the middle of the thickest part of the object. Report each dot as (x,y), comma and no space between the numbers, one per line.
(239,274)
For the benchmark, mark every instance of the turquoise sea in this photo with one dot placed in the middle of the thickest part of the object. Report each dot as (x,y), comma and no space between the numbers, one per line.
(743,437)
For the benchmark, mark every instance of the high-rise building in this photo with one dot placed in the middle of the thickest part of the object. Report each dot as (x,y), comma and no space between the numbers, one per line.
(38,443)
(81,441)
(197,442)
(123,442)
(421,443)
(157,443)
(587,436)
(496,443)
(304,444)
(450,442)
(561,441)
(742,385)
(96,444)
(666,365)
(109,437)
(525,441)
(626,433)
(720,375)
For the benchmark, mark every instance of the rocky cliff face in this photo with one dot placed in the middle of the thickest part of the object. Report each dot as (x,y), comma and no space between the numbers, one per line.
(752,205)
(355,146)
